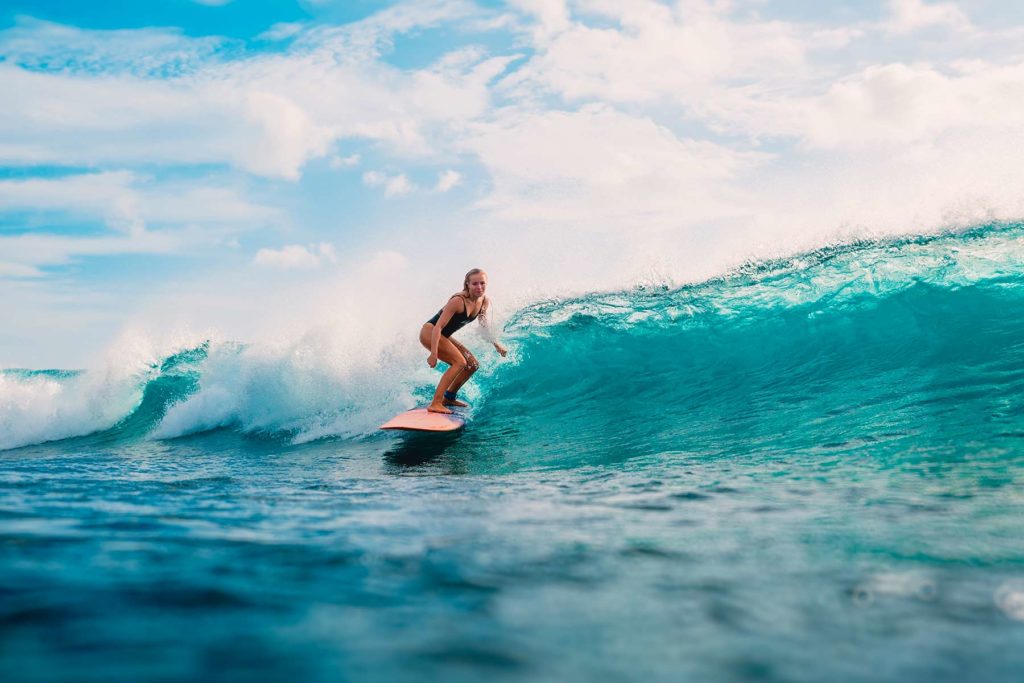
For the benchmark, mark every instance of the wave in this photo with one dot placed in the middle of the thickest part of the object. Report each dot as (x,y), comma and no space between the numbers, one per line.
(889,344)
(913,345)
(121,402)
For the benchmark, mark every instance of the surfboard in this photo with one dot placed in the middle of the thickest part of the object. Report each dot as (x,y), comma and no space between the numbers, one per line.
(421,420)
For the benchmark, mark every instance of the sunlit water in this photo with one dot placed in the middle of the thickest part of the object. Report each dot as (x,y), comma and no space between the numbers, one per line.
(808,470)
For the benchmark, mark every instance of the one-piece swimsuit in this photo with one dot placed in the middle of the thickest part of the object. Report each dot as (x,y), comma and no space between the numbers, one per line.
(457,322)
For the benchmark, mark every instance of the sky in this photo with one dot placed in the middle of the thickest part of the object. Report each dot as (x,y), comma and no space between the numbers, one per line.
(253,169)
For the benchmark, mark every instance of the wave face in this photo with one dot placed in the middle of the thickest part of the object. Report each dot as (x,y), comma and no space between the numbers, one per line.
(890,347)
(903,346)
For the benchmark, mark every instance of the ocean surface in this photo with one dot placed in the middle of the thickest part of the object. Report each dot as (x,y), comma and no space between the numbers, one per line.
(808,469)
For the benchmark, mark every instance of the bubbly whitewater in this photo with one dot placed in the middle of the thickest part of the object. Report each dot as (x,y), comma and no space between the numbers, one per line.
(807,469)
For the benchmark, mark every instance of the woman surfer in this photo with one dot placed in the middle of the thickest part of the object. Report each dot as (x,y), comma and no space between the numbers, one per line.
(462,308)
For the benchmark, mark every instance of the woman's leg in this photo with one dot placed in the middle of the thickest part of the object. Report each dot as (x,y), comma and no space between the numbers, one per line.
(471,366)
(450,354)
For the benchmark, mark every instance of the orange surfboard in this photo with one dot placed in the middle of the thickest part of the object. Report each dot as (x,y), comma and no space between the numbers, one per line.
(421,420)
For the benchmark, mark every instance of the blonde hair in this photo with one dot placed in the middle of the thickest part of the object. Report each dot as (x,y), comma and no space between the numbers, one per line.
(465,282)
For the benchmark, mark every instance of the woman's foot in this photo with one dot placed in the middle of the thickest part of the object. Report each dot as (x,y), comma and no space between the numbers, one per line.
(455,402)
(438,408)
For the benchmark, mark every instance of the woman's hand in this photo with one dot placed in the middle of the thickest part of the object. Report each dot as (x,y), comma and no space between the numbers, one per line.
(432,360)
(500,349)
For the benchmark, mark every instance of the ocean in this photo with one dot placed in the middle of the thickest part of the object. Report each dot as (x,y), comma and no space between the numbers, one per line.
(807,469)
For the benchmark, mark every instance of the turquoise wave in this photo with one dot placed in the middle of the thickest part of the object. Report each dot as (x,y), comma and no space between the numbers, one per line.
(173,380)
(914,345)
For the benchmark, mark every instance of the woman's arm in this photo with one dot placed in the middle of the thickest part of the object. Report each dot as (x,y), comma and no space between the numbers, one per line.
(490,332)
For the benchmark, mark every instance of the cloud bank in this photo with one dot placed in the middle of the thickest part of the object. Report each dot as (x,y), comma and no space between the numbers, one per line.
(686,136)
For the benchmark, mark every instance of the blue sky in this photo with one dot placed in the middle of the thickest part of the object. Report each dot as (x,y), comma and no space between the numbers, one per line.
(232,166)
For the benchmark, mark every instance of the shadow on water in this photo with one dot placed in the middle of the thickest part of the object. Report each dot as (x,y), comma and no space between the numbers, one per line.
(416,449)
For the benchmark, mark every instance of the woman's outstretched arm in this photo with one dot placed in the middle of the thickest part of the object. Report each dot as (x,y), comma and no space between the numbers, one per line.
(490,330)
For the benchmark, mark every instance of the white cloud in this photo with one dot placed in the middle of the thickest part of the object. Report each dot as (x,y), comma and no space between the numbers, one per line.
(109,196)
(370,37)
(289,137)
(394,185)
(652,52)
(909,104)
(384,262)
(782,80)
(169,217)
(351,160)
(145,52)
(552,16)
(602,164)
(297,256)
(66,119)
(281,31)
(447,180)
(397,186)
(266,115)
(127,202)
(18,270)
(911,15)
(32,250)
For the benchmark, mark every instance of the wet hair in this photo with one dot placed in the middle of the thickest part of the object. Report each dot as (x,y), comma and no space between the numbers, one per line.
(465,282)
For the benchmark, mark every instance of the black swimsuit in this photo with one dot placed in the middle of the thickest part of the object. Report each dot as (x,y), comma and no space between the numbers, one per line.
(458,321)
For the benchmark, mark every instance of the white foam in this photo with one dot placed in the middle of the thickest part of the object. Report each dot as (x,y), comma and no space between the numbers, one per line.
(43,407)
(357,363)
(1009,597)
